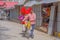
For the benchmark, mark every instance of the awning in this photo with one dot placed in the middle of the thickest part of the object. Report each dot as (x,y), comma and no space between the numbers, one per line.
(1,2)
(49,1)
(7,5)
(21,2)
(31,3)
(10,4)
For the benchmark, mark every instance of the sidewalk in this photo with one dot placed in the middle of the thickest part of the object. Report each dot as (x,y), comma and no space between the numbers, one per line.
(58,38)
(11,31)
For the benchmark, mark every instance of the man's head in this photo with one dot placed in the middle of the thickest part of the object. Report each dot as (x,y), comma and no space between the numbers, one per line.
(31,12)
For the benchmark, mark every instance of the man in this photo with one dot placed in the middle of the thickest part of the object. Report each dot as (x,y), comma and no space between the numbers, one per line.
(32,19)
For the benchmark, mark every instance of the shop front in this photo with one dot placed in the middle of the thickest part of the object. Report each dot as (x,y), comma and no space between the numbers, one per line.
(48,17)
(42,11)
(14,13)
(45,13)
(11,10)
(51,21)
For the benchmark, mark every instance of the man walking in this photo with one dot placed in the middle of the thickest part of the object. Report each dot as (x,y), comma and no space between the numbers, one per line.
(32,18)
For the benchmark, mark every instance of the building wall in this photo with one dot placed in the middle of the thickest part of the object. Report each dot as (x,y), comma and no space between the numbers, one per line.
(58,18)
(38,0)
(14,13)
(51,21)
(37,10)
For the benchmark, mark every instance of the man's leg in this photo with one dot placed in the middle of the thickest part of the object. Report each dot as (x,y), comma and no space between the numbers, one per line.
(32,31)
(23,28)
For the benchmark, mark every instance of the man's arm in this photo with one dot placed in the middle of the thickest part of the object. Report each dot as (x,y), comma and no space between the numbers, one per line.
(25,18)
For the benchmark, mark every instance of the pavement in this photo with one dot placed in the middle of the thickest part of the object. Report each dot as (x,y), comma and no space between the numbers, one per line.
(57,38)
(11,31)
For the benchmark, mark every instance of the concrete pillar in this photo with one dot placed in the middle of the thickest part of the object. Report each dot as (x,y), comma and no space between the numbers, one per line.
(40,16)
(58,18)
(51,22)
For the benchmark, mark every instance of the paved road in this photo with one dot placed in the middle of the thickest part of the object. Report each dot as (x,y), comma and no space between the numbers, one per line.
(11,31)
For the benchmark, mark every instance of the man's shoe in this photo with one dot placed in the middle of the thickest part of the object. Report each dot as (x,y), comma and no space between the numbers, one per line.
(32,36)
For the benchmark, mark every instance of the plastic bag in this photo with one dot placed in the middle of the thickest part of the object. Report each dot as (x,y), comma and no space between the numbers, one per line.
(28,25)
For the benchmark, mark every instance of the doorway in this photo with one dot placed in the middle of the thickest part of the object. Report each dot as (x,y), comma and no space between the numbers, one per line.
(46,8)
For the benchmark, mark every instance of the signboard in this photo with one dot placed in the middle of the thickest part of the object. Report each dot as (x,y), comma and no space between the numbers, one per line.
(7,4)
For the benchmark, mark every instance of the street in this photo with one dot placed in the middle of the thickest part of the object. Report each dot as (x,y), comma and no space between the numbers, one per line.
(11,31)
